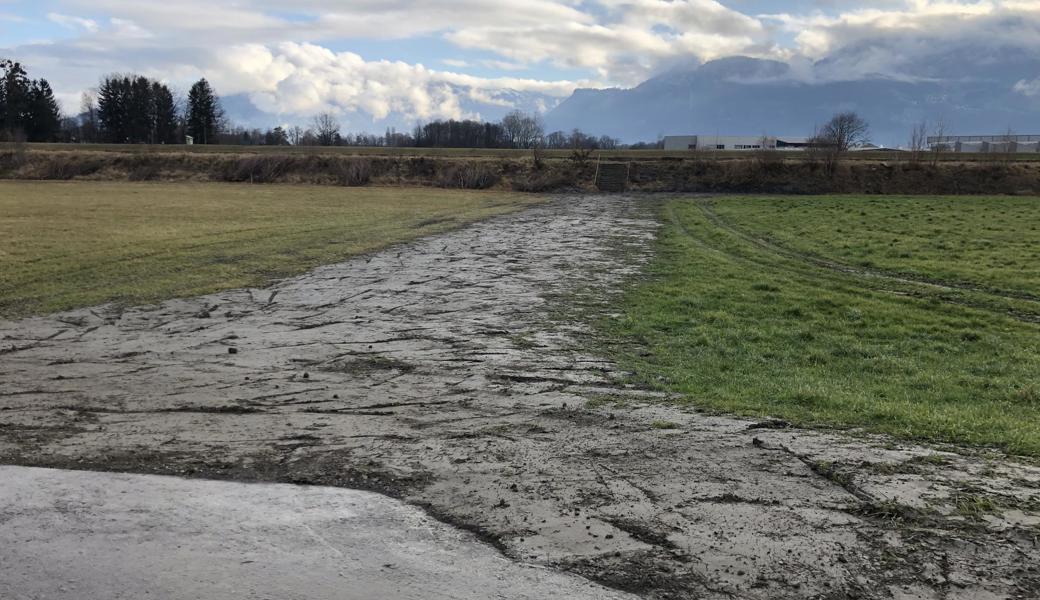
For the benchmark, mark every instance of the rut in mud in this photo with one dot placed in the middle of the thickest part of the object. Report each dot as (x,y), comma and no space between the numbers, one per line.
(457,373)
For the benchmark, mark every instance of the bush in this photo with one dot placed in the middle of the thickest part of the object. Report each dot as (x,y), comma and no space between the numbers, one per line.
(256,169)
(352,172)
(542,182)
(469,176)
(12,160)
(144,168)
(66,166)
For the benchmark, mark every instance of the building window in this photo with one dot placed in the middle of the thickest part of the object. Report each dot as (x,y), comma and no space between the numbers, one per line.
(720,146)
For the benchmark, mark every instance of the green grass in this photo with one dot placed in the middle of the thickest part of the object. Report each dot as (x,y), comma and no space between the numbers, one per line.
(66,245)
(989,241)
(737,326)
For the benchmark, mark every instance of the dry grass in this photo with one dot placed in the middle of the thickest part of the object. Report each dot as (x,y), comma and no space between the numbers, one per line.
(65,245)
(502,152)
(510,170)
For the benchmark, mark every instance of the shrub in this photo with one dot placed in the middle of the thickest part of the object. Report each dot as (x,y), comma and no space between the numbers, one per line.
(256,169)
(144,168)
(69,166)
(352,171)
(12,160)
(469,176)
(542,182)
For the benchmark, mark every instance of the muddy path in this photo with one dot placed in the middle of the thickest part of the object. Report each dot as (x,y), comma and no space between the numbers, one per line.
(459,373)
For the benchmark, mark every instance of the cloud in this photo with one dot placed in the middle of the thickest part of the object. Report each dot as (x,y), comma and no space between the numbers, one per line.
(70,22)
(633,40)
(1028,88)
(280,54)
(303,79)
(901,39)
(317,20)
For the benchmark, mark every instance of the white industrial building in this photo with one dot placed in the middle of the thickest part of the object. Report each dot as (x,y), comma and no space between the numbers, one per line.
(995,144)
(733,142)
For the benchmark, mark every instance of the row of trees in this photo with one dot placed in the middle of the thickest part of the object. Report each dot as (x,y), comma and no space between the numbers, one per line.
(133,109)
(28,110)
(516,130)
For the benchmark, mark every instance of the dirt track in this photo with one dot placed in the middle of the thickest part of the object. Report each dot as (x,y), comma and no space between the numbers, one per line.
(457,373)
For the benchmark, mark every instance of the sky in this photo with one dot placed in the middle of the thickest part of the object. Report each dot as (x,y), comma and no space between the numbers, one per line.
(371,60)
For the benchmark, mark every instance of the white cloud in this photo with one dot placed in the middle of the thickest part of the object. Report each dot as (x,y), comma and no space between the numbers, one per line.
(303,79)
(278,53)
(1028,88)
(885,40)
(635,38)
(71,22)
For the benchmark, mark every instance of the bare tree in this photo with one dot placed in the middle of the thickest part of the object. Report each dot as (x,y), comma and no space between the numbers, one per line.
(523,130)
(326,129)
(295,134)
(918,141)
(88,116)
(767,155)
(1009,146)
(844,131)
(940,140)
(556,140)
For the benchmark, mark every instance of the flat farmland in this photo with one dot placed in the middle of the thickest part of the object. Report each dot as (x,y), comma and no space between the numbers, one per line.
(462,373)
(916,317)
(68,245)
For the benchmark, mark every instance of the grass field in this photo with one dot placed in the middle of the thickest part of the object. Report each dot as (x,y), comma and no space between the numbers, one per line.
(918,317)
(65,245)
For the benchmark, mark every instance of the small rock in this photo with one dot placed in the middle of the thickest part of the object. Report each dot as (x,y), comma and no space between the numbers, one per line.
(232,350)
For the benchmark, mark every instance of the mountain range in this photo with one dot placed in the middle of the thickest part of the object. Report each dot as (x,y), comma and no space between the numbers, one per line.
(975,91)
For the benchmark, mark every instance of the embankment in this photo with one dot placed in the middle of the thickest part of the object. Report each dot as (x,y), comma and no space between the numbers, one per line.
(778,175)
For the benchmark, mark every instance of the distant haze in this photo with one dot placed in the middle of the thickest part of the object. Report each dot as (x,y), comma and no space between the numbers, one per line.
(973,93)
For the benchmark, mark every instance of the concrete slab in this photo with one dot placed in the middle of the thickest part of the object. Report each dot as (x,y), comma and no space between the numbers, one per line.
(76,535)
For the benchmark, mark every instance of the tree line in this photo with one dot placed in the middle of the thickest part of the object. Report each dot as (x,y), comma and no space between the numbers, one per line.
(517,130)
(134,109)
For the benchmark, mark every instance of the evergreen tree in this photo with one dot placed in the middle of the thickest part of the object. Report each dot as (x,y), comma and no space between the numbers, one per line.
(165,111)
(13,98)
(28,109)
(276,137)
(132,109)
(43,117)
(141,111)
(204,113)
(112,109)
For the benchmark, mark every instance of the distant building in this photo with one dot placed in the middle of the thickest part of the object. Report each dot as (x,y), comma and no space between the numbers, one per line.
(188,140)
(1002,144)
(733,142)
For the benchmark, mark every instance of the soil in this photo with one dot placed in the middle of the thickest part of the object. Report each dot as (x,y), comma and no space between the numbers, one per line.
(460,374)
